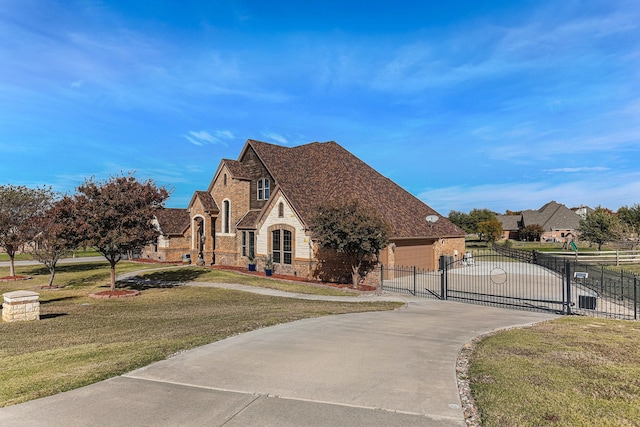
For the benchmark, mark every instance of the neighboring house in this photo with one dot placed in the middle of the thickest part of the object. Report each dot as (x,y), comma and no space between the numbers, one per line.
(582,211)
(261,203)
(174,240)
(559,222)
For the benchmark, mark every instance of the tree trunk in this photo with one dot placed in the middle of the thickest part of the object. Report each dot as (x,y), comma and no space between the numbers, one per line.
(12,254)
(12,267)
(113,275)
(355,276)
(53,274)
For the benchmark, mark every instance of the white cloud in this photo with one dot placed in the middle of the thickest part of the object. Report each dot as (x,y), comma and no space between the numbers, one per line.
(579,169)
(202,137)
(272,136)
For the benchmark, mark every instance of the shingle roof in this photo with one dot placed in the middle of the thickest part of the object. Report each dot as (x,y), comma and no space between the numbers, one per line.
(173,221)
(510,222)
(207,201)
(249,220)
(315,173)
(552,216)
(237,169)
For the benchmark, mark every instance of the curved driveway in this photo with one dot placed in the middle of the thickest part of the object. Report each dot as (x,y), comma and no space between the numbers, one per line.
(369,369)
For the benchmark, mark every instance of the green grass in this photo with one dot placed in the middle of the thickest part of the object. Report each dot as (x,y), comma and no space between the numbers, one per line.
(26,256)
(567,372)
(225,276)
(80,340)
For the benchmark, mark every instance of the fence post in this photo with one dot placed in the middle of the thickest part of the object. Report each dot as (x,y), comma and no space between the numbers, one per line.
(567,267)
(635,297)
(414,280)
(381,276)
(443,279)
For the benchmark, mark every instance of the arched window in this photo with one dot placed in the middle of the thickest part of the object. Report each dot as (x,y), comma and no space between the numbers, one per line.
(226,216)
(280,210)
(225,179)
(264,189)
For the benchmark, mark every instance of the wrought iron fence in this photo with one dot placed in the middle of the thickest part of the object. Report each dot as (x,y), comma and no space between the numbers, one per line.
(525,280)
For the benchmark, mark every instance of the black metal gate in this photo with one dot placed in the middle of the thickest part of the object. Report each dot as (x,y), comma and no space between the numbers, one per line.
(491,278)
(494,279)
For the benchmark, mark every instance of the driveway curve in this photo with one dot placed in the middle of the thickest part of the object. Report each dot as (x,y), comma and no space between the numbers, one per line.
(373,369)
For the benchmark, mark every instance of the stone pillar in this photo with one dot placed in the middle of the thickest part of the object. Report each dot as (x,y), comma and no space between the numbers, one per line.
(20,305)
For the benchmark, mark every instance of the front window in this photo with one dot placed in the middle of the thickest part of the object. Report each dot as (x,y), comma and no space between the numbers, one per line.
(264,188)
(286,246)
(275,245)
(282,247)
(248,244)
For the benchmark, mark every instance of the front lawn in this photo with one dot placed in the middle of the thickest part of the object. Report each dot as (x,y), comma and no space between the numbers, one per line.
(573,371)
(80,340)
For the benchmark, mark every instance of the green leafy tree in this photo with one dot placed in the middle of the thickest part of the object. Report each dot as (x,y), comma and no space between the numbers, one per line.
(531,233)
(469,222)
(600,226)
(462,220)
(355,233)
(116,215)
(18,205)
(490,230)
(56,233)
(631,217)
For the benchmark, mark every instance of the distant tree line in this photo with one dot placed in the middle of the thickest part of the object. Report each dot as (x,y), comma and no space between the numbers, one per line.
(600,226)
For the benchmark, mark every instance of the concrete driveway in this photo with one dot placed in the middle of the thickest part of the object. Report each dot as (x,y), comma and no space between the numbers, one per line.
(369,369)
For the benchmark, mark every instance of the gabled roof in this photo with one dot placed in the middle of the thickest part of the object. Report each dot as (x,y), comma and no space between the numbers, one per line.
(552,216)
(208,204)
(237,169)
(315,173)
(173,221)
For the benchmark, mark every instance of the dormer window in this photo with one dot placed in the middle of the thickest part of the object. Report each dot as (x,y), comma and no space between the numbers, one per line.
(264,189)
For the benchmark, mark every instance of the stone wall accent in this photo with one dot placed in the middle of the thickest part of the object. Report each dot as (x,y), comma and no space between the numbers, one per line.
(21,305)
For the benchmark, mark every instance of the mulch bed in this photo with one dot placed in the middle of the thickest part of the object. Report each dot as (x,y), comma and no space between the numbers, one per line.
(363,288)
(118,293)
(13,278)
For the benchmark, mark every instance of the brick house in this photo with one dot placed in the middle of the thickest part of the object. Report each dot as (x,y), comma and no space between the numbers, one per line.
(559,222)
(260,204)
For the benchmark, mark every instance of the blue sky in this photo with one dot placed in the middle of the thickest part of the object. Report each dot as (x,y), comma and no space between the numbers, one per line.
(466,104)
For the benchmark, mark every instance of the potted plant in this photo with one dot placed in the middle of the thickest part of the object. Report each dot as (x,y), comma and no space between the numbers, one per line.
(268,266)
(252,262)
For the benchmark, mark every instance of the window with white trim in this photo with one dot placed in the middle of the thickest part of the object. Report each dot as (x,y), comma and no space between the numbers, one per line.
(264,189)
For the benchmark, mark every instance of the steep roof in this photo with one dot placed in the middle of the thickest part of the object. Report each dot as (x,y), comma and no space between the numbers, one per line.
(237,169)
(206,200)
(315,173)
(552,216)
(173,221)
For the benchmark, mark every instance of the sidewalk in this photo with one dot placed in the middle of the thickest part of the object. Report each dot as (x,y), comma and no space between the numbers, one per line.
(373,369)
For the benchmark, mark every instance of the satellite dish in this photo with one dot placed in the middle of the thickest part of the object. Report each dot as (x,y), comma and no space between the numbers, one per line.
(432,218)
